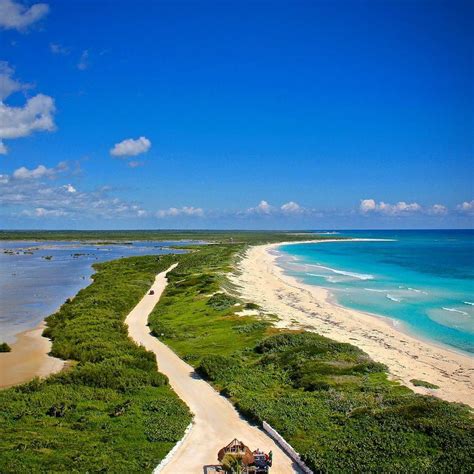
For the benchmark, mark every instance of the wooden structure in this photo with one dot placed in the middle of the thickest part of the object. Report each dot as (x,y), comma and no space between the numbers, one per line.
(239,450)
(256,462)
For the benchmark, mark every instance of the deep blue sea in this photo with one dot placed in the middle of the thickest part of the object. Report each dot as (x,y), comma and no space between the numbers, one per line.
(421,279)
(32,287)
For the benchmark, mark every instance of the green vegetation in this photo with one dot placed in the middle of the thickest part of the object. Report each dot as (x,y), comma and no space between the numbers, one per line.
(111,411)
(4,347)
(423,383)
(329,400)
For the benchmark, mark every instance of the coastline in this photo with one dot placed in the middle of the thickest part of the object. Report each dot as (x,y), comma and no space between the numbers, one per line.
(302,306)
(28,358)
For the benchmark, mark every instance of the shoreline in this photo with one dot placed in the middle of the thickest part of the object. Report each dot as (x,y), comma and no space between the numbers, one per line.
(29,358)
(302,306)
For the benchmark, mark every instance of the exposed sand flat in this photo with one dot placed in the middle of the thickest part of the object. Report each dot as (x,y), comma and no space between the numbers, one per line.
(28,359)
(300,305)
(216,422)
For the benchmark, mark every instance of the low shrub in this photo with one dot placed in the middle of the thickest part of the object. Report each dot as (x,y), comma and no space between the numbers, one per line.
(221,301)
(423,383)
(4,347)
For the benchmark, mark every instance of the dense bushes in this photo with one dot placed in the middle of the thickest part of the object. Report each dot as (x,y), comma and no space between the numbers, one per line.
(111,411)
(329,400)
(4,347)
(221,301)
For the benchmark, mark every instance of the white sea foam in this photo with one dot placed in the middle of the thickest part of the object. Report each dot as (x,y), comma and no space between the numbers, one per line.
(359,276)
(326,277)
(392,298)
(374,290)
(417,291)
(469,303)
(454,310)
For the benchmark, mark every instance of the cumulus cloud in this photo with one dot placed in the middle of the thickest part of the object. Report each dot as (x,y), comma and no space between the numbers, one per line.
(438,210)
(400,208)
(36,115)
(291,207)
(9,85)
(467,207)
(367,205)
(15,16)
(131,147)
(263,207)
(39,172)
(69,188)
(181,211)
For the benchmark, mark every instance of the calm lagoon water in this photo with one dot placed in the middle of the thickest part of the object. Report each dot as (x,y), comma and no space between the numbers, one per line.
(421,279)
(32,287)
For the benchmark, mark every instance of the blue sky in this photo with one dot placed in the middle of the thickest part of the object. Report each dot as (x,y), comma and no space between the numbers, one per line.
(151,114)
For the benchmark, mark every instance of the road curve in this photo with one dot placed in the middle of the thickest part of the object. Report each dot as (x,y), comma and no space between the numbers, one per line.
(216,421)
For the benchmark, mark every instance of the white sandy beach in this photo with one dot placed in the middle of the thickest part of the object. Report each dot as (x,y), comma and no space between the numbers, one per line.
(309,307)
(28,358)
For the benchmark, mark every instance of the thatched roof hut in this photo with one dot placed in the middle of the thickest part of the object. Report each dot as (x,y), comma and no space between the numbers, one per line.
(237,449)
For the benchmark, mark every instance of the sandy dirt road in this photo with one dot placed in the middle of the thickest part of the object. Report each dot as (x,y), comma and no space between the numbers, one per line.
(216,422)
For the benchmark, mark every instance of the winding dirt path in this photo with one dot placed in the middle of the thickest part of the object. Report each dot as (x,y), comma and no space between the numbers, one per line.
(216,421)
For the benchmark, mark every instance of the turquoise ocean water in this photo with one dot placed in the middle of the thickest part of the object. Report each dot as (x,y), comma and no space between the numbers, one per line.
(421,279)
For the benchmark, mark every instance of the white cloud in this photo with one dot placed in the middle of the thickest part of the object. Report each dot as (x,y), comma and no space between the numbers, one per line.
(36,115)
(466,207)
(438,210)
(263,207)
(29,193)
(14,15)
(69,188)
(39,172)
(42,212)
(57,48)
(400,208)
(288,209)
(182,211)
(83,63)
(9,85)
(367,205)
(131,147)
(291,207)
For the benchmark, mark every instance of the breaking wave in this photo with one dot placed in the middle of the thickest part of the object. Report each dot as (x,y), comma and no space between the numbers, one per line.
(454,310)
(359,276)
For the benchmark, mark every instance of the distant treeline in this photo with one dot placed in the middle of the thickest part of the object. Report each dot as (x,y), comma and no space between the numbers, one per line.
(130,235)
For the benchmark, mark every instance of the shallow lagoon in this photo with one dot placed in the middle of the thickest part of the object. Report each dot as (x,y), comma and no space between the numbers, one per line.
(37,277)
